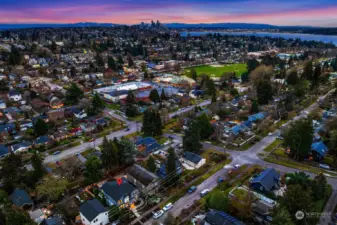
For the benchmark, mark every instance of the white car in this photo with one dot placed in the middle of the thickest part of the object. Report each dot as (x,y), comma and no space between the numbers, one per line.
(204,192)
(158,214)
(237,165)
(168,206)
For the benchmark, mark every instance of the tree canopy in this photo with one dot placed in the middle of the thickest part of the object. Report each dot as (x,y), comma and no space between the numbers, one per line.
(298,138)
(40,127)
(152,124)
(154,95)
(93,172)
(74,94)
(52,187)
(191,139)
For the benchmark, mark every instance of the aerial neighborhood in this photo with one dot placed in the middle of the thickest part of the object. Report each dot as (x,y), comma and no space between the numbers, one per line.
(145,125)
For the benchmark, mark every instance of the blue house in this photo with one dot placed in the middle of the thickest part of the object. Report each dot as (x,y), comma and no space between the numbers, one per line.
(257,116)
(267,180)
(236,130)
(147,145)
(319,150)
(20,147)
(42,140)
(3,151)
(20,198)
(220,218)
(121,195)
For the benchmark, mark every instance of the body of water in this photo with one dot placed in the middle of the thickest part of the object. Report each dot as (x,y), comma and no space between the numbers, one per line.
(303,37)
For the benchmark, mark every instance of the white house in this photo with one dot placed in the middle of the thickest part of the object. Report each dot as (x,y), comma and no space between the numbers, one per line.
(14,95)
(92,212)
(193,160)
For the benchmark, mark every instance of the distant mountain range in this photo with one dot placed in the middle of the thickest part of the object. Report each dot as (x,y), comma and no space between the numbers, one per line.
(54,25)
(169,25)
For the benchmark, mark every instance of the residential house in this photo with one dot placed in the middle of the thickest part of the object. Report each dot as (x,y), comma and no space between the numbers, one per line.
(122,195)
(25,124)
(20,198)
(257,116)
(37,216)
(60,135)
(13,113)
(6,129)
(92,212)
(262,212)
(55,102)
(147,145)
(42,141)
(319,150)
(54,220)
(14,95)
(267,180)
(88,127)
(78,113)
(3,151)
(21,147)
(143,179)
(162,170)
(56,114)
(193,160)
(3,104)
(220,218)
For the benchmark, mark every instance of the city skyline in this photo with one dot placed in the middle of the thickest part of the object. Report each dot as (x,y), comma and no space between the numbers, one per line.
(302,12)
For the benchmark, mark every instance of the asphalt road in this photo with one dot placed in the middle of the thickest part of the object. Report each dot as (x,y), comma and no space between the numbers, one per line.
(133,127)
(242,157)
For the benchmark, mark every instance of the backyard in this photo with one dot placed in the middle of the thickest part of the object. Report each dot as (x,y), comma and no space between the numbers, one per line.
(219,70)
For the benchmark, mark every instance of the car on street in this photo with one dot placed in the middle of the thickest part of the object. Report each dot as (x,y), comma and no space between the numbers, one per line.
(237,166)
(127,129)
(204,192)
(57,152)
(158,214)
(324,166)
(91,140)
(167,207)
(192,189)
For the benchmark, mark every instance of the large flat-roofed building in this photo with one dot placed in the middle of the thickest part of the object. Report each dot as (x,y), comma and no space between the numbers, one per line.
(175,81)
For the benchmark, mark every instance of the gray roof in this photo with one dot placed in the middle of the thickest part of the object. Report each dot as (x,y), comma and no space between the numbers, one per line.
(92,208)
(117,192)
(190,156)
(142,175)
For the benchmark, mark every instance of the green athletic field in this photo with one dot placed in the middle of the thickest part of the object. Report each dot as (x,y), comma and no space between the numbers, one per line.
(218,71)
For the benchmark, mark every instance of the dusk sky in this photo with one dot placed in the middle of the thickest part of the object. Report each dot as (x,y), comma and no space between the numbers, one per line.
(276,12)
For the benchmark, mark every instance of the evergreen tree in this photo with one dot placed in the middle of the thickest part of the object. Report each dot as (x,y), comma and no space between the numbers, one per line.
(97,104)
(14,56)
(130,99)
(315,78)
(171,166)
(264,92)
(154,95)
(205,126)
(299,138)
(318,186)
(282,217)
(126,151)
(217,200)
(163,95)
(152,124)
(120,60)
(74,94)
(37,163)
(214,97)
(292,78)
(109,154)
(112,63)
(53,47)
(308,71)
(93,171)
(254,108)
(40,127)
(151,165)
(11,171)
(191,139)
(252,64)
(146,75)
(99,60)
(130,61)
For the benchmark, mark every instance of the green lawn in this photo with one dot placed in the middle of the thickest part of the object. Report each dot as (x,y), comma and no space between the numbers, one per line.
(273,145)
(218,71)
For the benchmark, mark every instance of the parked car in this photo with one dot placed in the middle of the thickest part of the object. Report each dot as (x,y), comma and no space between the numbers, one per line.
(167,207)
(220,180)
(192,189)
(324,166)
(158,214)
(127,129)
(204,192)
(57,152)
